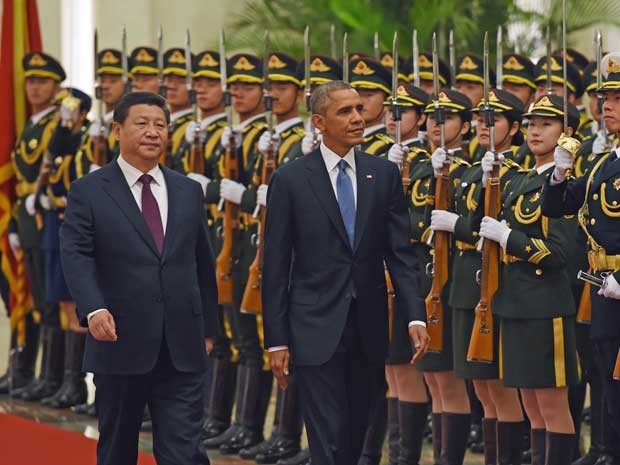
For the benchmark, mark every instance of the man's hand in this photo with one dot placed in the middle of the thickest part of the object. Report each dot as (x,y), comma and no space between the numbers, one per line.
(209,345)
(419,339)
(102,327)
(278,361)
(611,289)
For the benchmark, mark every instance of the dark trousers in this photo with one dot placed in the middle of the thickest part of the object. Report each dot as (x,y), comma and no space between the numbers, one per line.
(336,398)
(35,268)
(176,402)
(605,354)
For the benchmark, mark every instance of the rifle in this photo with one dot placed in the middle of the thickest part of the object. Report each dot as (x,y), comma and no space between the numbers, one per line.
(345,57)
(598,53)
(196,159)
(332,42)
(160,61)
(124,61)
(226,258)
(438,269)
(452,54)
(481,341)
(499,59)
(251,302)
(416,59)
(100,145)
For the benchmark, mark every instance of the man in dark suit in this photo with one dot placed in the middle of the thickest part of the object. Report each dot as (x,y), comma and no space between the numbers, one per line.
(139,265)
(334,217)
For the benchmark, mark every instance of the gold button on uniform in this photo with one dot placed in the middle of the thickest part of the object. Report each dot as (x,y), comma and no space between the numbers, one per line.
(538,272)
(595,196)
(593,221)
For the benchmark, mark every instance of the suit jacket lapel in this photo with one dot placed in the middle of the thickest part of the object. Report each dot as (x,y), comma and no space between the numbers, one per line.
(115,185)
(174,210)
(323,190)
(365,185)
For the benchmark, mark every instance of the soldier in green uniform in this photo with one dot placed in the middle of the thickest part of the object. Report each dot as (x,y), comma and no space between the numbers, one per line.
(73,108)
(177,97)
(387,60)
(594,198)
(143,70)
(285,143)
(534,299)
(110,74)
(407,400)
(580,61)
(372,82)
(425,62)
(518,77)
(254,379)
(503,416)
(43,76)
(450,400)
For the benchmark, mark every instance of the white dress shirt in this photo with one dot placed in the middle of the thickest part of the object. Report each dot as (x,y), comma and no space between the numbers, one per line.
(158,187)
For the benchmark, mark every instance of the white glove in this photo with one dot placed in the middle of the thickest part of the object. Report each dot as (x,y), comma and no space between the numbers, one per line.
(14,243)
(261,195)
(397,154)
(307,143)
(227,133)
(599,144)
(231,191)
(200,179)
(438,159)
(68,117)
(45,202)
(30,205)
(190,132)
(93,167)
(442,220)
(95,130)
(563,161)
(611,289)
(487,163)
(495,230)
(267,141)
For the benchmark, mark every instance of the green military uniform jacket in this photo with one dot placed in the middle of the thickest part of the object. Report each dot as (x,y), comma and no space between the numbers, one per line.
(84,156)
(376,141)
(177,145)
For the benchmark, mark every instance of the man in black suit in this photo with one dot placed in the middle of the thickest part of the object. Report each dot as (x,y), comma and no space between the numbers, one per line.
(138,263)
(334,217)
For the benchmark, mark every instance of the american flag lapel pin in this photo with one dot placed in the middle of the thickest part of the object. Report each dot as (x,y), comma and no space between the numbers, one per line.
(369,176)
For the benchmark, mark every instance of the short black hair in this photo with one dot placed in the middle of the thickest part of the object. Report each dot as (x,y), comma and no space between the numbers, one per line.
(139,98)
(320,96)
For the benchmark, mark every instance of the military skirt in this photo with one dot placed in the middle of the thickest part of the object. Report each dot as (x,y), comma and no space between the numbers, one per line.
(462,326)
(539,353)
(440,361)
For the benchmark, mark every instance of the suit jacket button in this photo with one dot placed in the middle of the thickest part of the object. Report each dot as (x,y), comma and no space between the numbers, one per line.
(158,298)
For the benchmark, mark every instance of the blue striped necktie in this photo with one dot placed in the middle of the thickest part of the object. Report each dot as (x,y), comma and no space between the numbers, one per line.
(346,200)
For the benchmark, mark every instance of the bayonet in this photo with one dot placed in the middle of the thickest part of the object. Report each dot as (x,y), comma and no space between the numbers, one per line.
(452,52)
(488,110)
(160,61)
(124,62)
(188,70)
(598,54)
(345,57)
(97,80)
(308,84)
(224,80)
(439,114)
(499,59)
(416,59)
(549,82)
(266,97)
(332,41)
(395,108)
(377,47)
(564,70)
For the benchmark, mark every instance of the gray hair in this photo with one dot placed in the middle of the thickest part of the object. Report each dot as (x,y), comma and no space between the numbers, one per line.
(320,96)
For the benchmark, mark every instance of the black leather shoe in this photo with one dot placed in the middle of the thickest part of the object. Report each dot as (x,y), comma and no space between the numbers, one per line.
(590,458)
(302,458)
(245,438)
(212,427)
(216,441)
(284,448)
(251,452)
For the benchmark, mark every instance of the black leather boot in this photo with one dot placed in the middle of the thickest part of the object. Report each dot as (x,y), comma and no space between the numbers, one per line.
(560,448)
(538,443)
(393,430)
(489,440)
(454,433)
(250,453)
(376,430)
(411,425)
(221,398)
(302,458)
(436,433)
(73,390)
(52,366)
(20,371)
(509,442)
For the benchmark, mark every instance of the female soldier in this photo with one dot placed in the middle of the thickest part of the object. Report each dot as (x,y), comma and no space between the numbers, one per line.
(407,397)
(450,400)
(534,301)
(499,403)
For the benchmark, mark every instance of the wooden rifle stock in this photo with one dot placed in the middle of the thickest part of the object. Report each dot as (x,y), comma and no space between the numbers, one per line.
(196,161)
(617,368)
(40,185)
(481,341)
(584,313)
(100,150)
(251,302)
(441,257)
(225,260)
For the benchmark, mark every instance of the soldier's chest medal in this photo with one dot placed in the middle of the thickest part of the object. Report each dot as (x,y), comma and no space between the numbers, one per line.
(616,184)
(32,144)
(534,198)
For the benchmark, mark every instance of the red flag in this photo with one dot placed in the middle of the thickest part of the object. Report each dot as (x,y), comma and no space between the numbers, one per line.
(20,34)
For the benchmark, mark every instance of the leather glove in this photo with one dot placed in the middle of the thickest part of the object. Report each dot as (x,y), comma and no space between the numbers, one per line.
(438,159)
(231,190)
(495,230)
(190,132)
(307,143)
(95,130)
(30,209)
(598,146)
(14,243)
(397,154)
(267,141)
(487,163)
(227,133)
(200,179)
(611,289)
(442,220)
(93,167)
(563,161)
(261,195)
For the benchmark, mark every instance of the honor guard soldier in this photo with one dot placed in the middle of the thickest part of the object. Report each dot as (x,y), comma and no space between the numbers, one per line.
(580,62)
(143,70)
(110,75)
(177,97)
(372,82)
(518,78)
(284,145)
(43,75)
(387,60)
(534,299)
(52,198)
(594,198)
(426,73)
(254,378)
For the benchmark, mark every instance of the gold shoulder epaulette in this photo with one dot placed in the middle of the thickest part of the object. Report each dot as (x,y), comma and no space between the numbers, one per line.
(511,163)
(385,138)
